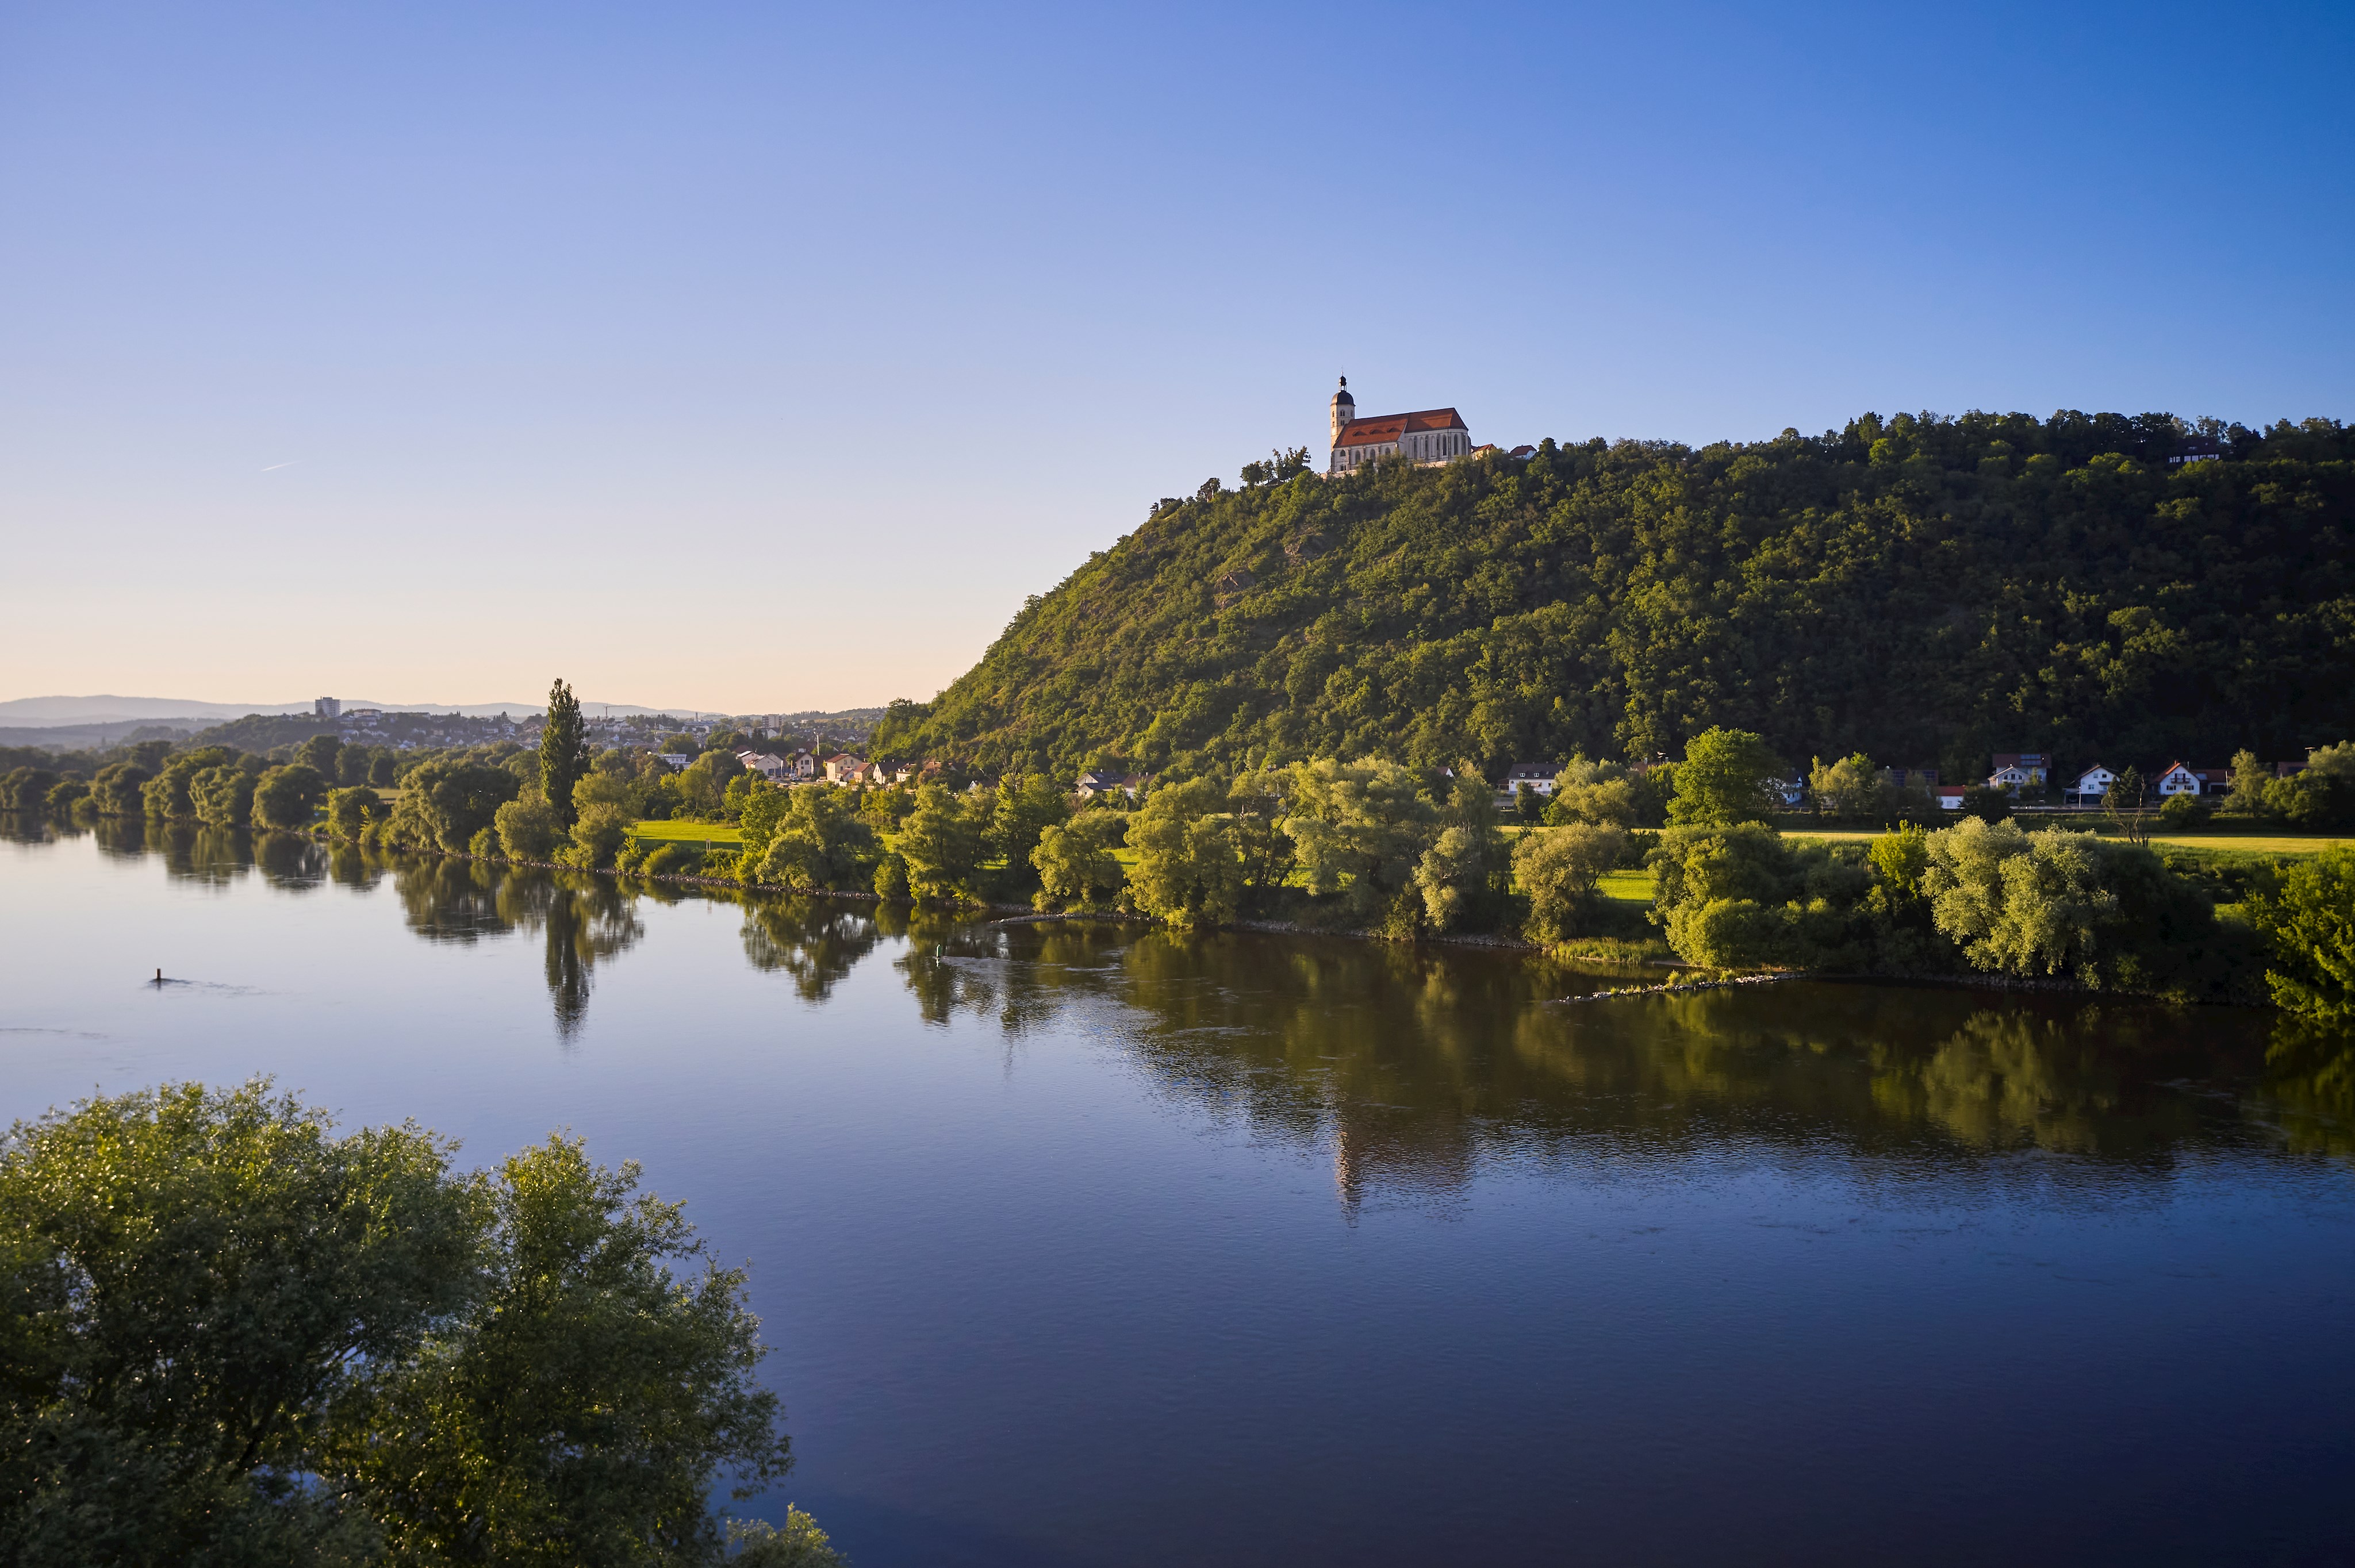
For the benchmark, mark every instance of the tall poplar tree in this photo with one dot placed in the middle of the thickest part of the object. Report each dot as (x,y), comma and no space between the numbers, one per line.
(563,751)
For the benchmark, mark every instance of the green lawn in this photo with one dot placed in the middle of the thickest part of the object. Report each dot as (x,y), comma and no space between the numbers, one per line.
(688,833)
(2224,844)
(1625,886)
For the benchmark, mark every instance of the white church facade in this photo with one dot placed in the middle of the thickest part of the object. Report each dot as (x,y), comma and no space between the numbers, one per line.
(1428,436)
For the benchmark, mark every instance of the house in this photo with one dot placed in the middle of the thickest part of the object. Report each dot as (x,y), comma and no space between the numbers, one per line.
(843,768)
(925,772)
(674,760)
(2180,780)
(1791,792)
(1949,796)
(1538,775)
(1427,437)
(1522,453)
(2018,770)
(2089,786)
(767,764)
(1094,784)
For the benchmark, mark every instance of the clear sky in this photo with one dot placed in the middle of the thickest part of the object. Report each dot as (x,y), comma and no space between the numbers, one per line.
(765,357)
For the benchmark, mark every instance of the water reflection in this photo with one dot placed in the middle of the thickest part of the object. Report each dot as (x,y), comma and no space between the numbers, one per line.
(583,919)
(816,942)
(1416,1065)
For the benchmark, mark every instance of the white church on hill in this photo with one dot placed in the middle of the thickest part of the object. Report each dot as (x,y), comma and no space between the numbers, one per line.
(1432,436)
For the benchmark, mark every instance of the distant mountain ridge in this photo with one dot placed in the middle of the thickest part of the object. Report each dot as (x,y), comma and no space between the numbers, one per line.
(57,712)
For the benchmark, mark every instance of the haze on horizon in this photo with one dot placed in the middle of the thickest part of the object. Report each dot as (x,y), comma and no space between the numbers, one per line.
(772,355)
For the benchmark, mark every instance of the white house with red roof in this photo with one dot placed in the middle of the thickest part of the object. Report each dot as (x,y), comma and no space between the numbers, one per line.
(1427,435)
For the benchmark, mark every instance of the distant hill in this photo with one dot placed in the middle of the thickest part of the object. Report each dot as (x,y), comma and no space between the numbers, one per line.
(58,712)
(1926,589)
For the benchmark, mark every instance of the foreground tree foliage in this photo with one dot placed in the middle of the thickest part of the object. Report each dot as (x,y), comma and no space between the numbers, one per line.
(1927,590)
(234,1336)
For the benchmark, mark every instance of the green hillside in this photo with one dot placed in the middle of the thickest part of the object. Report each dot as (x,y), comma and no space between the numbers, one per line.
(1927,590)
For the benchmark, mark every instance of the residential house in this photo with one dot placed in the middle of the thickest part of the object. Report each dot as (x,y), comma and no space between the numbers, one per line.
(674,760)
(767,764)
(1538,775)
(1791,792)
(2090,787)
(1949,796)
(1130,784)
(844,768)
(2181,779)
(2019,770)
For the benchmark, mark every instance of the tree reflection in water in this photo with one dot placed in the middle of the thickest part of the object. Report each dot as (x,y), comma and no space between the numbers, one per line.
(584,918)
(815,941)
(1416,1063)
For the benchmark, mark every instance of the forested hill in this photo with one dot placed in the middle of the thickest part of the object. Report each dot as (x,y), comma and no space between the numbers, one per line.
(1928,591)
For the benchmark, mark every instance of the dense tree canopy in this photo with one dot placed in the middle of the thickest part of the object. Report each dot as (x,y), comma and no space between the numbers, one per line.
(1927,590)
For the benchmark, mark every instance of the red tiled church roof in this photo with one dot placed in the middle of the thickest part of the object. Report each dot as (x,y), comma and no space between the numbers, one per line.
(1391,426)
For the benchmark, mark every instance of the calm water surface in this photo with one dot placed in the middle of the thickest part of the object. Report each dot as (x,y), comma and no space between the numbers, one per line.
(1096,1246)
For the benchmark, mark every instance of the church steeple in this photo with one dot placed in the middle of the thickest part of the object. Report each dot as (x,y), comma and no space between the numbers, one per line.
(1345,409)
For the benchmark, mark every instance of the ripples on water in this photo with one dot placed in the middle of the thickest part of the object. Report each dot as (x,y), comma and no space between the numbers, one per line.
(1790,1272)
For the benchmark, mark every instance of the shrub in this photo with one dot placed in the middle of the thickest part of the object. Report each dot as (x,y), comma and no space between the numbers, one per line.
(350,810)
(598,835)
(526,828)
(2182,813)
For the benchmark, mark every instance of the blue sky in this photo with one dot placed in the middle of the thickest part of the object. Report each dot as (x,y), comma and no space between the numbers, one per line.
(762,358)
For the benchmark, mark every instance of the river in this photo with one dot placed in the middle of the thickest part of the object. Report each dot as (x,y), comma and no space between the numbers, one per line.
(1087,1244)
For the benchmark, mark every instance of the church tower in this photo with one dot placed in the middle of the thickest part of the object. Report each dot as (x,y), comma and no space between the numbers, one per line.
(1345,409)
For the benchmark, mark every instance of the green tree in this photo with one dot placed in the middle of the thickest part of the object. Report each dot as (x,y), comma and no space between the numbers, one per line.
(581,1409)
(600,830)
(65,795)
(1462,876)
(2123,804)
(820,841)
(563,752)
(943,842)
(527,829)
(1074,861)
(1359,827)
(1901,858)
(197,1279)
(1558,870)
(223,796)
(1725,778)
(25,789)
(445,801)
(2022,902)
(2250,776)
(800,1543)
(1025,807)
(1187,872)
(288,797)
(115,791)
(2309,926)
(351,810)
(1848,788)
(322,753)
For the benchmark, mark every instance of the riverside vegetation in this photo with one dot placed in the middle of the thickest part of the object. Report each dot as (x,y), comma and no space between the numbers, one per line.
(1379,846)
